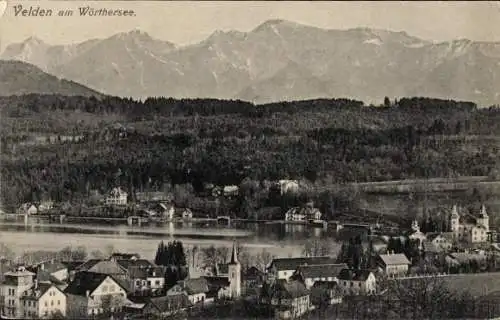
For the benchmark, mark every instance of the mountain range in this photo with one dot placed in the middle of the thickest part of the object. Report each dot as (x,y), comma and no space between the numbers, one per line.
(278,60)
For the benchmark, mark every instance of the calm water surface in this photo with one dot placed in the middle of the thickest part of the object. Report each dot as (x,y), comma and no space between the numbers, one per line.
(278,239)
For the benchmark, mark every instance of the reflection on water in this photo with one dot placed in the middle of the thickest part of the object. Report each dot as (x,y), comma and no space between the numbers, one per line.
(286,239)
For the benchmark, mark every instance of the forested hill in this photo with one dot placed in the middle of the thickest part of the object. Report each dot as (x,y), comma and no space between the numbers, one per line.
(63,147)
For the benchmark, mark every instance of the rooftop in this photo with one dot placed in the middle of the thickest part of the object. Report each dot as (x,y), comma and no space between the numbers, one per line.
(354,275)
(88,281)
(394,259)
(321,271)
(290,289)
(194,286)
(293,263)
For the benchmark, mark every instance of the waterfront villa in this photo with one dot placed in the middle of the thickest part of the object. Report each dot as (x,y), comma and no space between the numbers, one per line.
(116,197)
(305,213)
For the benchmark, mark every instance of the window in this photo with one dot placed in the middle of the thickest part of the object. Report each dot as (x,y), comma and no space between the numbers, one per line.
(52,302)
(58,302)
(157,282)
(46,304)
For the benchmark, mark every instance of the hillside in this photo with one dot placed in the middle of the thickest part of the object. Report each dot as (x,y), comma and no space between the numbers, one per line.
(278,60)
(18,78)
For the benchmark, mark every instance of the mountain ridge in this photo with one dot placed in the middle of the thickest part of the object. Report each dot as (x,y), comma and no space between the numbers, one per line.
(361,63)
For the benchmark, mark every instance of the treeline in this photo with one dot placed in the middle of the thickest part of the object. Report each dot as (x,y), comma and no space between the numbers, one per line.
(208,107)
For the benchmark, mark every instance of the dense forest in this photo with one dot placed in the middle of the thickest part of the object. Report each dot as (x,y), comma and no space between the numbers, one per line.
(148,144)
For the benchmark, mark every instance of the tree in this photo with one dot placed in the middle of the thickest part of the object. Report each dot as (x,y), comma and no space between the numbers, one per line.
(387,102)
(317,248)
(424,297)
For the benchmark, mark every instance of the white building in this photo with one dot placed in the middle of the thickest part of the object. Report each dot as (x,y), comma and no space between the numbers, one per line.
(394,264)
(288,186)
(44,301)
(310,274)
(469,228)
(284,268)
(305,213)
(14,287)
(416,234)
(357,282)
(117,197)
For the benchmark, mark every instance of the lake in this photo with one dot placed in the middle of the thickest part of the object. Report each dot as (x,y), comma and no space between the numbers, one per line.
(281,240)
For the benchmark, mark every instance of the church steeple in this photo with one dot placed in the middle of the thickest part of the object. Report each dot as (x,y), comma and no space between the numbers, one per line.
(234,255)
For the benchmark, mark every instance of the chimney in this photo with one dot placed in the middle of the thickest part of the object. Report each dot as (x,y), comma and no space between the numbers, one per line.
(36,284)
(87,293)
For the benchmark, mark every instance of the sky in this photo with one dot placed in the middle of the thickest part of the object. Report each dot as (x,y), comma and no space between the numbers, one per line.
(187,22)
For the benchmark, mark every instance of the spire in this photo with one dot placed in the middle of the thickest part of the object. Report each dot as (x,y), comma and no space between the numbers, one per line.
(483,211)
(234,255)
(454,211)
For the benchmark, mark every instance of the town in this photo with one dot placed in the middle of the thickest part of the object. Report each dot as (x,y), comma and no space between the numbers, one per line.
(372,273)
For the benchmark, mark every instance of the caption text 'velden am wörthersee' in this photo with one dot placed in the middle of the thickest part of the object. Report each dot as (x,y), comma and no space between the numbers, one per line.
(85,11)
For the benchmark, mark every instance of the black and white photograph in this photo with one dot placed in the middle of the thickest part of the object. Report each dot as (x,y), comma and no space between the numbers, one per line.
(193,160)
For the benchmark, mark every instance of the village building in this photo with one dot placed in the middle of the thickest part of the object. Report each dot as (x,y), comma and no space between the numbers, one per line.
(438,242)
(325,293)
(357,282)
(195,289)
(108,267)
(284,268)
(116,196)
(183,213)
(28,208)
(288,186)
(416,234)
(55,269)
(290,299)
(394,264)
(162,307)
(148,281)
(45,206)
(469,228)
(309,274)
(304,213)
(253,277)
(118,256)
(43,301)
(91,294)
(13,288)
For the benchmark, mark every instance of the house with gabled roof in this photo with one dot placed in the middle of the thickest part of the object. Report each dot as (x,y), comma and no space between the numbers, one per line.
(309,274)
(117,196)
(290,299)
(394,264)
(357,282)
(166,306)
(44,300)
(109,267)
(146,281)
(195,289)
(284,268)
(324,293)
(91,294)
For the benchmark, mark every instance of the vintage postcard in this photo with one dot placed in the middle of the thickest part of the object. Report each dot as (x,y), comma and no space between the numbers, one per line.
(249,160)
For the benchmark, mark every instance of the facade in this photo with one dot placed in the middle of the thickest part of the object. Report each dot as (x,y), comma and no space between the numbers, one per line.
(195,289)
(147,281)
(290,299)
(438,242)
(91,294)
(394,264)
(468,228)
(306,213)
(326,293)
(357,282)
(117,197)
(13,288)
(44,301)
(284,268)
(309,274)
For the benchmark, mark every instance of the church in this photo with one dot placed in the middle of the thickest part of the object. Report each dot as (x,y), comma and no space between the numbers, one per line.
(227,278)
(470,228)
